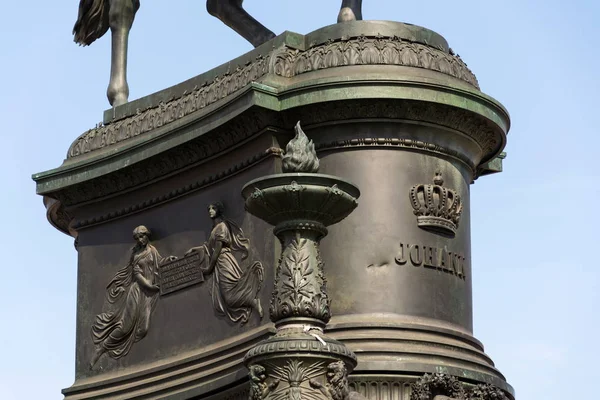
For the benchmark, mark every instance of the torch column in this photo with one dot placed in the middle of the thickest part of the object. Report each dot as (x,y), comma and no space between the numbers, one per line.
(300,361)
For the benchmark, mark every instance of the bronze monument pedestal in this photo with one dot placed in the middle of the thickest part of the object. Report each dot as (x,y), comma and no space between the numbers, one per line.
(389,108)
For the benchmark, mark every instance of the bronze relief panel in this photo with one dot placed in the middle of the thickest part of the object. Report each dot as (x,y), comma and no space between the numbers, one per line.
(134,291)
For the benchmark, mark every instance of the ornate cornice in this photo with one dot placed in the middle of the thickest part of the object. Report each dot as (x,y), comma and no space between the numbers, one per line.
(483,132)
(284,61)
(165,113)
(165,137)
(201,149)
(378,50)
(194,186)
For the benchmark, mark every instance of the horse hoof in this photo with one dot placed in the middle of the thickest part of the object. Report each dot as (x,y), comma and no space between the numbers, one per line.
(346,14)
(117,93)
(116,99)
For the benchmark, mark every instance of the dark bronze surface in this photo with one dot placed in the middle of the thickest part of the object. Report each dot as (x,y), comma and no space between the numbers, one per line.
(388,107)
(300,361)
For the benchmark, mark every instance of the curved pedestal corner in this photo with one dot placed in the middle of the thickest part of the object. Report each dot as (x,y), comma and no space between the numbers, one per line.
(415,346)
(240,391)
(58,216)
(190,375)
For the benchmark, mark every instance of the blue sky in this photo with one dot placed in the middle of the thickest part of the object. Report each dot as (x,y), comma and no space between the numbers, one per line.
(534,227)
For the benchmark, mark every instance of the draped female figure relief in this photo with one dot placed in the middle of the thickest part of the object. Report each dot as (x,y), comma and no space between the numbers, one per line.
(96,17)
(131,298)
(234,290)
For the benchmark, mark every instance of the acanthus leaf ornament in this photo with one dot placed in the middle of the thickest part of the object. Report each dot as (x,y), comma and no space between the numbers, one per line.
(446,387)
(487,392)
(362,50)
(285,62)
(431,385)
(299,288)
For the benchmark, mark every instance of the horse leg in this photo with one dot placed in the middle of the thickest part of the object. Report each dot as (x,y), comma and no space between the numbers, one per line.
(234,16)
(351,11)
(120,20)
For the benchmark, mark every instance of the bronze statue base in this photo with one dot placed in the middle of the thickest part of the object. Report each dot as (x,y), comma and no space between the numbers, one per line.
(389,108)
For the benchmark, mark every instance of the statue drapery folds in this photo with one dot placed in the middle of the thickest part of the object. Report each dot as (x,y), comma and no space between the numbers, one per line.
(132,294)
(131,297)
(234,290)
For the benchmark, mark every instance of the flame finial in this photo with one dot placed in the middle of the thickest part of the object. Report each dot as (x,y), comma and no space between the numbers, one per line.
(300,154)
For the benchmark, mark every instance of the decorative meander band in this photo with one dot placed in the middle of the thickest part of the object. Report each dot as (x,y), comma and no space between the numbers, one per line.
(308,345)
(399,143)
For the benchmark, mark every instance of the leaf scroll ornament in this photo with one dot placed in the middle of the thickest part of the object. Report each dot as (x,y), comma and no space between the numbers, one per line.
(297,281)
(295,373)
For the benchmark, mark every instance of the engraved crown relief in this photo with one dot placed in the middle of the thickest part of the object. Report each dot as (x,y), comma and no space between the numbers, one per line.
(437,208)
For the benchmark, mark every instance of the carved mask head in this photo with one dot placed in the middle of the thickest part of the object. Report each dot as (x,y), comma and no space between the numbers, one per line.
(336,372)
(257,373)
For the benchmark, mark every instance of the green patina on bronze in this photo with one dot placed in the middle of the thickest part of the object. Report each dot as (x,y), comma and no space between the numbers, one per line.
(384,79)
